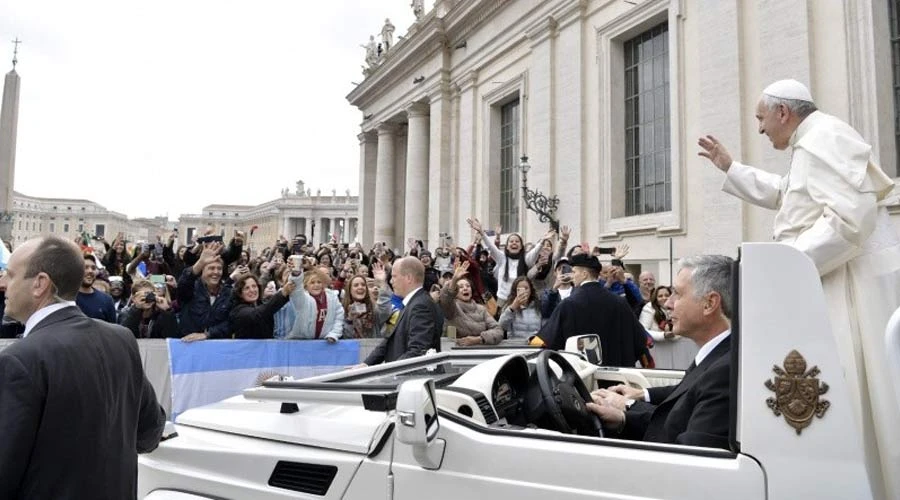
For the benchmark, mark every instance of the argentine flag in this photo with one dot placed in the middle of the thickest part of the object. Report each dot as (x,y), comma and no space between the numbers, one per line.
(213,370)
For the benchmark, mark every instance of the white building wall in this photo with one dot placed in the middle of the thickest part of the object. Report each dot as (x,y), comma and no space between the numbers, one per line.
(563,58)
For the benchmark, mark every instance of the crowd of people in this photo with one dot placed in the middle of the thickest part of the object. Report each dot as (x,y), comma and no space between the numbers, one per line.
(493,290)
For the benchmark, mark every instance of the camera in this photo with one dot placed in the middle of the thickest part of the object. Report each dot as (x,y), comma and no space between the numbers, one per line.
(150,298)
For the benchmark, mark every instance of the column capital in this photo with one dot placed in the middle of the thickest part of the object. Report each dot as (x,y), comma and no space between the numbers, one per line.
(385,128)
(417,109)
(367,136)
(467,81)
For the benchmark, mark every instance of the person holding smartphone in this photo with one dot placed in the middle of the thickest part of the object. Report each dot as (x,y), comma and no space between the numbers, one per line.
(150,314)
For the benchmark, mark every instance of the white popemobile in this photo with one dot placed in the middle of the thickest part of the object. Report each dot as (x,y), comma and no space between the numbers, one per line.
(490,423)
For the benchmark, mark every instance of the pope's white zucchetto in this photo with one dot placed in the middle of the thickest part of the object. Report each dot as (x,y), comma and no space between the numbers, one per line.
(788,89)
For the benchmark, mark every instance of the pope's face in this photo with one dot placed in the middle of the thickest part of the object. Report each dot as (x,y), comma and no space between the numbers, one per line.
(774,123)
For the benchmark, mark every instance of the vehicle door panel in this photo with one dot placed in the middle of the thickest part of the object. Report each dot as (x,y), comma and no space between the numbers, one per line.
(483,465)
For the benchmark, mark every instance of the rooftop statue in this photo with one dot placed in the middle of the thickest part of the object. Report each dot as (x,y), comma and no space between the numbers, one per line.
(387,35)
(418,7)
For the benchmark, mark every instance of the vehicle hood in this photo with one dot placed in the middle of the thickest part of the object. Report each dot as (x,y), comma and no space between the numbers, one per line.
(335,427)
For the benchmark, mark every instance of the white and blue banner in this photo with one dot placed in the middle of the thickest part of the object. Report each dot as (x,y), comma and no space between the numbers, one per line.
(210,371)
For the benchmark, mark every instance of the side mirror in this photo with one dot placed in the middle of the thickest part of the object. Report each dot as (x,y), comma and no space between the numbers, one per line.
(417,421)
(587,345)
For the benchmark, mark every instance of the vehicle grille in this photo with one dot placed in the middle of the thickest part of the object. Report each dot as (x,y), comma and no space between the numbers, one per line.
(314,479)
(486,409)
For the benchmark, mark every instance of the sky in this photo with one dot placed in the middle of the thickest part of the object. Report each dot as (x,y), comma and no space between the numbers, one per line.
(163,107)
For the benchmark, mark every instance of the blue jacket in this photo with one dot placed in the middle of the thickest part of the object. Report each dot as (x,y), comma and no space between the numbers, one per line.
(197,315)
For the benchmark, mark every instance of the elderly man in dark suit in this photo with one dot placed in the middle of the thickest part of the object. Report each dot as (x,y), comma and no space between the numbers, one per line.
(695,411)
(593,309)
(75,406)
(421,322)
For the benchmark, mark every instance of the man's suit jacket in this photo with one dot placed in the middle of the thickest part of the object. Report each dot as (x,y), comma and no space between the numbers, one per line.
(694,412)
(418,329)
(593,309)
(75,410)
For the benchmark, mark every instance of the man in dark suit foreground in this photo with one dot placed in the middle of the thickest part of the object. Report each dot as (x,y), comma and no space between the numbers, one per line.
(594,309)
(695,411)
(75,406)
(421,322)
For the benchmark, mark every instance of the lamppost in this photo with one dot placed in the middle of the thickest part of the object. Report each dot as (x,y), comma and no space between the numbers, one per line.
(536,201)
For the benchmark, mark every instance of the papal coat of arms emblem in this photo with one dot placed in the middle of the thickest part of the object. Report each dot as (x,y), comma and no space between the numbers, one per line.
(797,392)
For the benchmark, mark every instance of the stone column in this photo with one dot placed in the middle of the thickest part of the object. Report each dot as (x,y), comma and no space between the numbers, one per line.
(417,155)
(339,228)
(285,226)
(439,174)
(366,207)
(384,185)
(352,228)
(467,181)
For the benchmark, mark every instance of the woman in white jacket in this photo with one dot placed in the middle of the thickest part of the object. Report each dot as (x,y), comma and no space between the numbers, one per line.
(319,310)
(654,316)
(511,262)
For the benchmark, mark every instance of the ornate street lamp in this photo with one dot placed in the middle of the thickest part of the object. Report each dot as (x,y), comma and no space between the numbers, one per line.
(536,201)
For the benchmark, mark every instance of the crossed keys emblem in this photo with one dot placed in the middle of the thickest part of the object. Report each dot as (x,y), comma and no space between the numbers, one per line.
(797,392)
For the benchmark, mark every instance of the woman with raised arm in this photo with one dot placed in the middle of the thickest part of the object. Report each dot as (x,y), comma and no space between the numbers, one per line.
(251,317)
(512,261)
(473,324)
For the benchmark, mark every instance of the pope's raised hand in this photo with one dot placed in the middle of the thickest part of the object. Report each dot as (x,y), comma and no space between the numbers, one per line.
(715,152)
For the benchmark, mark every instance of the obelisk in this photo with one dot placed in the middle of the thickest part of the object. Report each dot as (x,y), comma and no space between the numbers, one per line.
(9,119)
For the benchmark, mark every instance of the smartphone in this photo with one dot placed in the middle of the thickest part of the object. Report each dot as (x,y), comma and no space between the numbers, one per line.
(358,308)
(158,279)
(145,248)
(606,250)
(209,239)
(490,232)
(296,262)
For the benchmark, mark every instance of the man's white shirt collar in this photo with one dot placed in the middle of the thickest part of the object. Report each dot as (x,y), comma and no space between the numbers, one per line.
(709,346)
(409,296)
(42,313)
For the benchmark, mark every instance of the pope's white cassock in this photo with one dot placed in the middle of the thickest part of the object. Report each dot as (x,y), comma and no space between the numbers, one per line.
(829,207)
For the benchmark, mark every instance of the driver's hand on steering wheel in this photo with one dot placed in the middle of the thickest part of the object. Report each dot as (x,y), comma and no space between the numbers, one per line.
(608,398)
(613,418)
(629,392)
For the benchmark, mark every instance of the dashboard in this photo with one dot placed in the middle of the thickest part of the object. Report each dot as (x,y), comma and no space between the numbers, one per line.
(509,390)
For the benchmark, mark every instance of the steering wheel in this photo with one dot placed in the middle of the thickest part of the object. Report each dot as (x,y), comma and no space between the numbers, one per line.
(564,397)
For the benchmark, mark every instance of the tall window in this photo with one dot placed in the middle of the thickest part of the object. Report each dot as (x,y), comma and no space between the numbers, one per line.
(509,161)
(648,176)
(52,227)
(894,13)
(100,230)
